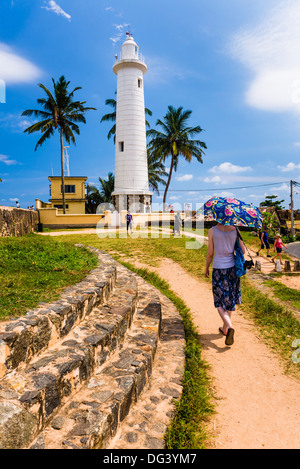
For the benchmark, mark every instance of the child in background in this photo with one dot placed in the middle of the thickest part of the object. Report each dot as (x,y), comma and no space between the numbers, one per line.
(278,245)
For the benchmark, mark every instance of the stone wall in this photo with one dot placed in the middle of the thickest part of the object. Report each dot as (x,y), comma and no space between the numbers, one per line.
(17,221)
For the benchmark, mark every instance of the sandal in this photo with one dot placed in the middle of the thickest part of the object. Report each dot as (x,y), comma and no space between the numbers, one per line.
(229,338)
(221,330)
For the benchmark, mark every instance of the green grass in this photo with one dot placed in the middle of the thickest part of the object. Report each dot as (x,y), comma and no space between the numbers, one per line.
(276,323)
(285,293)
(188,427)
(147,249)
(36,269)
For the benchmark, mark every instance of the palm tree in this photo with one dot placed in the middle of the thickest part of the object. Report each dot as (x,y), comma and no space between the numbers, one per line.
(156,172)
(93,198)
(107,187)
(175,140)
(111,117)
(59,112)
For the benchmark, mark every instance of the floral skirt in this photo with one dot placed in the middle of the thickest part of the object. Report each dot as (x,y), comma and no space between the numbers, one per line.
(226,286)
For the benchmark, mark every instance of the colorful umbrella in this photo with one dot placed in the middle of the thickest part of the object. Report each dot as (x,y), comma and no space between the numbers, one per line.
(228,211)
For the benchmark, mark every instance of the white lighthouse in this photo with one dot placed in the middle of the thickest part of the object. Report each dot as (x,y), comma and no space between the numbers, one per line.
(131,190)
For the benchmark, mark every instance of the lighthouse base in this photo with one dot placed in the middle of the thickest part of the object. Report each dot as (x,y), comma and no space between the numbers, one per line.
(135,203)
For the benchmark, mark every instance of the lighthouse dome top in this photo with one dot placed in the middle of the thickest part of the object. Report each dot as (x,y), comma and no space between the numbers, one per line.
(129,54)
(129,48)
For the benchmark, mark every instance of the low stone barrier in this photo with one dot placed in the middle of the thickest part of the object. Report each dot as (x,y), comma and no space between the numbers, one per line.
(17,221)
(21,339)
(73,369)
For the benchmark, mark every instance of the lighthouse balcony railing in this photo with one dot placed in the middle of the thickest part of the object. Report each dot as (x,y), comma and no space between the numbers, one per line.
(137,56)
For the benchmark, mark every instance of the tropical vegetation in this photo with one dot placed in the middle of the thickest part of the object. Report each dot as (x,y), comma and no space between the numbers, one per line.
(95,196)
(175,140)
(112,116)
(271,201)
(59,112)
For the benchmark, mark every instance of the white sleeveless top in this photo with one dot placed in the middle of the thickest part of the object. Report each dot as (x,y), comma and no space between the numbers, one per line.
(224,242)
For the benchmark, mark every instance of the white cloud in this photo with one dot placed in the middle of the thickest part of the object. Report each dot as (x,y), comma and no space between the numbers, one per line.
(229,168)
(120,32)
(289,167)
(283,188)
(16,69)
(16,122)
(55,8)
(175,197)
(226,194)
(184,177)
(215,179)
(271,51)
(238,180)
(5,159)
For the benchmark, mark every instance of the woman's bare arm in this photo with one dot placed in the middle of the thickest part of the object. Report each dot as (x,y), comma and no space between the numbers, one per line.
(210,252)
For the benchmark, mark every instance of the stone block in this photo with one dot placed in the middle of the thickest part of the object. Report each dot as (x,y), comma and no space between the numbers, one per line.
(258,265)
(297,266)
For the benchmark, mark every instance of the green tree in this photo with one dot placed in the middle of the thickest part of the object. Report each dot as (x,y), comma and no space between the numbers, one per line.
(271,222)
(93,198)
(112,116)
(107,187)
(59,112)
(270,201)
(175,140)
(156,172)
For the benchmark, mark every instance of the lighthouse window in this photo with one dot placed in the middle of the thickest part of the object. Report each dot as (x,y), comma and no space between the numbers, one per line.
(139,83)
(121,146)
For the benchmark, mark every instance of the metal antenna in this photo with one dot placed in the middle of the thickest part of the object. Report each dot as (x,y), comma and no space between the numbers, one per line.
(66,160)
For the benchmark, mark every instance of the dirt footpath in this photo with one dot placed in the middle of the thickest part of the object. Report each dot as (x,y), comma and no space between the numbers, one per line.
(257,405)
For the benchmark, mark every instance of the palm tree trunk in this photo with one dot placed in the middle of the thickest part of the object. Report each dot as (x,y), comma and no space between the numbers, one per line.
(168,183)
(62,170)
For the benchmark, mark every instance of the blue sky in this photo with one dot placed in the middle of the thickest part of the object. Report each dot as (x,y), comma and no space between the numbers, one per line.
(234,63)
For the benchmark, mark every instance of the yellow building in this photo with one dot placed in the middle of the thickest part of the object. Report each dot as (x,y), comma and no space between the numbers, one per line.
(74,194)
(51,213)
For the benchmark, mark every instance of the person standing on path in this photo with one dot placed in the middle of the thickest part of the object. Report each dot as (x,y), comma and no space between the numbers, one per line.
(278,245)
(129,221)
(177,223)
(265,242)
(225,283)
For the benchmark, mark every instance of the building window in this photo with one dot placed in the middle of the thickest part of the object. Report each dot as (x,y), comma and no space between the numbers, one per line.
(139,83)
(69,189)
(59,206)
(121,146)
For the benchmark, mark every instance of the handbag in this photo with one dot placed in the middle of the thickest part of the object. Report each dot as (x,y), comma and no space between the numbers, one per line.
(239,259)
(241,265)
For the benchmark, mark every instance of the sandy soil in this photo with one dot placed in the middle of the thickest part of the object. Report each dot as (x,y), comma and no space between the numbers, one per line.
(257,404)
(292,282)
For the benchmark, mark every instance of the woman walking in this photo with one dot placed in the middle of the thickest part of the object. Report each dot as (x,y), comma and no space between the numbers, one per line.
(278,245)
(225,283)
